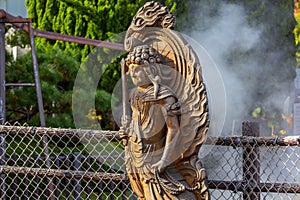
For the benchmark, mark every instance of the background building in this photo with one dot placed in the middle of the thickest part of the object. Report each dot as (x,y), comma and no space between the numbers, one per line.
(14,7)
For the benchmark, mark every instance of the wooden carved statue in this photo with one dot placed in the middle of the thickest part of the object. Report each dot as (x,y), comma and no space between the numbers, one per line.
(169,109)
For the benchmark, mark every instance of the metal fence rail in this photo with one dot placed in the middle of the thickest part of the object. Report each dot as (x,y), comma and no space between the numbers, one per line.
(88,164)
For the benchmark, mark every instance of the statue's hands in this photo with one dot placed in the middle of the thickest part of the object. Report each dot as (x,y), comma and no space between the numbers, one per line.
(123,133)
(159,166)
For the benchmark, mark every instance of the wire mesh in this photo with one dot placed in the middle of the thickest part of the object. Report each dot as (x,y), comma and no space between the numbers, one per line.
(79,164)
(254,168)
(89,164)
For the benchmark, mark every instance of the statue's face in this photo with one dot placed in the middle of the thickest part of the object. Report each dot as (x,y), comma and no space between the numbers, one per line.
(138,75)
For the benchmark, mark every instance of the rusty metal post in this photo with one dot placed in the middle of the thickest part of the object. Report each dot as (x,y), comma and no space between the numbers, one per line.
(251,163)
(2,73)
(37,77)
(40,104)
(2,107)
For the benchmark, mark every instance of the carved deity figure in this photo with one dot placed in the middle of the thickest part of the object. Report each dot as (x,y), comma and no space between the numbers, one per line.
(169,117)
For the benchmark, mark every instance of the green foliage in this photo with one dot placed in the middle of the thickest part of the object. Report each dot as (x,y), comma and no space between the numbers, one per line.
(57,72)
(19,38)
(256,112)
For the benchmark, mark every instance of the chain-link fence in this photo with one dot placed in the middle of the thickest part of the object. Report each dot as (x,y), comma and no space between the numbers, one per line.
(254,168)
(52,163)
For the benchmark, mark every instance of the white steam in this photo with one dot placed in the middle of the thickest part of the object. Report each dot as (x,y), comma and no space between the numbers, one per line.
(225,33)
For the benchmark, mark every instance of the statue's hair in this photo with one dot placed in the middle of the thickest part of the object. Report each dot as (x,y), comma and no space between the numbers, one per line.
(143,54)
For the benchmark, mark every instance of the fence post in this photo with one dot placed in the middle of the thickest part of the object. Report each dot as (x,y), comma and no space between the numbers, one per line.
(2,74)
(251,163)
(2,107)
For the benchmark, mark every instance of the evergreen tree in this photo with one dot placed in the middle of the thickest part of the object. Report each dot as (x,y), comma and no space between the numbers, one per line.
(57,71)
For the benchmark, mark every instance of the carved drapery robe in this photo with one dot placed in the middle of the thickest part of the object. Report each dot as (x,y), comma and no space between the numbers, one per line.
(146,145)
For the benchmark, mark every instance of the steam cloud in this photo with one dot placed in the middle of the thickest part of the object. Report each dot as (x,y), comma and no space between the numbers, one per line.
(227,34)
